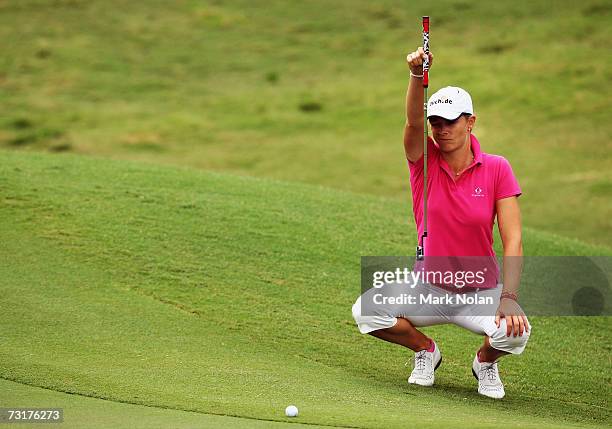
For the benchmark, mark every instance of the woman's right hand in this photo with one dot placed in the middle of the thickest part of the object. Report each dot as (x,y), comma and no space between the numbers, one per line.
(415,60)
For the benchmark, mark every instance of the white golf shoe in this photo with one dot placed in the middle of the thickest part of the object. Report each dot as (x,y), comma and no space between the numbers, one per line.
(489,383)
(425,363)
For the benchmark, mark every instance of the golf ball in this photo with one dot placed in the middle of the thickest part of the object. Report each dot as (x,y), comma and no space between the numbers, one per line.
(291,411)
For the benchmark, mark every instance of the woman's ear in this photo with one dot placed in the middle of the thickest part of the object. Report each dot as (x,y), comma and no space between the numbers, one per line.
(470,123)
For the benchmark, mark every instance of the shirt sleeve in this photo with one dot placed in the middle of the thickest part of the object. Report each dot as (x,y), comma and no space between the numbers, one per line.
(506,184)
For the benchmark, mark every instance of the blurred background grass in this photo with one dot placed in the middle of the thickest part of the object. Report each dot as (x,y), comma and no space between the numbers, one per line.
(313,91)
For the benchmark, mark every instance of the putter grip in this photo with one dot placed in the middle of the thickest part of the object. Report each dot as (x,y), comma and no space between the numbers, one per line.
(426,50)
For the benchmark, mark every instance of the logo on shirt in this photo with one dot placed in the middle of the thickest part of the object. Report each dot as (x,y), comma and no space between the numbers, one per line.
(478,192)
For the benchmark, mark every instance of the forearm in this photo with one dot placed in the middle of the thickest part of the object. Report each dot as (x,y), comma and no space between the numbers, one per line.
(512,266)
(415,120)
(414,104)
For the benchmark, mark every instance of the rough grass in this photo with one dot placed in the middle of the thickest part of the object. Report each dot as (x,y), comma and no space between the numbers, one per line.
(313,91)
(228,295)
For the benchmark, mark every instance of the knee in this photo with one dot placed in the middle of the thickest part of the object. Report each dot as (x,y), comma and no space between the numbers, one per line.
(368,323)
(515,345)
(360,320)
(356,310)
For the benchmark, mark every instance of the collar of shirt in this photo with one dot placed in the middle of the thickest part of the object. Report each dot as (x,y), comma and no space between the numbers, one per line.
(477,158)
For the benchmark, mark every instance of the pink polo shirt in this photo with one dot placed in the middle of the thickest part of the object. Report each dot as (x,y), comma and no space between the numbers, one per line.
(461,214)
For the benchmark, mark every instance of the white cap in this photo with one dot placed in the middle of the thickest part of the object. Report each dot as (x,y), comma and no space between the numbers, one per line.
(449,102)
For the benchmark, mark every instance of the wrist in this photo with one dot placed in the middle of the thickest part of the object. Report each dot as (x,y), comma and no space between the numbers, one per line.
(509,295)
(418,76)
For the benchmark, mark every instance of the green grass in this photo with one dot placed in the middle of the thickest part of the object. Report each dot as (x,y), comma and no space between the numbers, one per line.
(313,91)
(81,411)
(210,293)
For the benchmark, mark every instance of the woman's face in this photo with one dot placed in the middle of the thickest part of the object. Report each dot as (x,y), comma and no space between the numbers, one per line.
(451,134)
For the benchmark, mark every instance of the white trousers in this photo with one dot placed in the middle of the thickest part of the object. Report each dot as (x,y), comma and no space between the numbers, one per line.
(385,316)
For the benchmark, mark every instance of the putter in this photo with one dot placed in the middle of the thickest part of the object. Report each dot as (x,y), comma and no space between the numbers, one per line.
(420,250)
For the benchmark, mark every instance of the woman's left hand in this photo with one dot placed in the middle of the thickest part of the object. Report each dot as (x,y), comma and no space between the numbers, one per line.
(516,321)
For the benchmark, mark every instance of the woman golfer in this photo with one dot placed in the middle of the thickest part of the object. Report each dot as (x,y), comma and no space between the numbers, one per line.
(467,189)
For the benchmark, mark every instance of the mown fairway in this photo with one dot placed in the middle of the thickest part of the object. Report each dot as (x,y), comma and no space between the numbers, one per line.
(209,293)
(313,91)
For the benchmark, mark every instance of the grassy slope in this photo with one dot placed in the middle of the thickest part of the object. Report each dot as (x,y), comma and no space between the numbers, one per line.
(228,295)
(84,412)
(218,85)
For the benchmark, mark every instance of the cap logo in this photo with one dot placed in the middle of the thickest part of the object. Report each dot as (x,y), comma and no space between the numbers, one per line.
(442,100)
